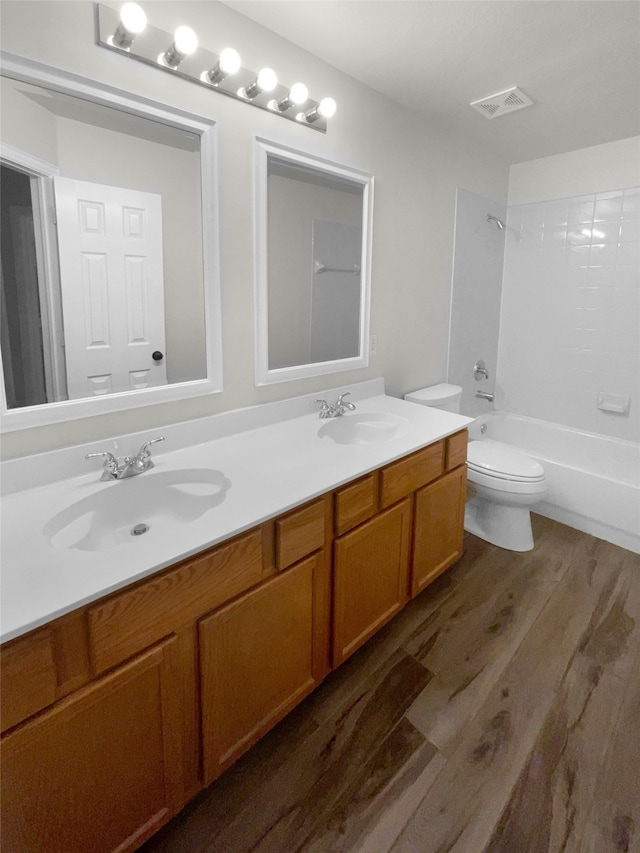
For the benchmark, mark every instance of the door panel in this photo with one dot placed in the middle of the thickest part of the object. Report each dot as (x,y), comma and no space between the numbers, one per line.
(111,264)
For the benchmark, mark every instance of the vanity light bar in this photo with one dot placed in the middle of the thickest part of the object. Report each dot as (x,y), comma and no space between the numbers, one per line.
(180,54)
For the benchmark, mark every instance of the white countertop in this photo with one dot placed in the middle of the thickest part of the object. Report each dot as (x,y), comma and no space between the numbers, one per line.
(271,468)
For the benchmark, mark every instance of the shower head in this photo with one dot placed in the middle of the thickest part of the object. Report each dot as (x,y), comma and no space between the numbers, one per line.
(499,222)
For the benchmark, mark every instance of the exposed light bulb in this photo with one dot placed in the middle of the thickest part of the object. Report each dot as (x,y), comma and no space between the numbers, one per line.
(132,22)
(229,63)
(266,81)
(185,42)
(298,94)
(325,109)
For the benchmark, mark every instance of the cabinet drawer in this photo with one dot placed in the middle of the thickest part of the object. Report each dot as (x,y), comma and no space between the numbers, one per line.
(300,533)
(134,620)
(28,677)
(355,503)
(456,452)
(403,477)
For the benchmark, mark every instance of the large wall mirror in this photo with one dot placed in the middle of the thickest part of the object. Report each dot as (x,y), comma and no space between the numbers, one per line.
(313,247)
(109,251)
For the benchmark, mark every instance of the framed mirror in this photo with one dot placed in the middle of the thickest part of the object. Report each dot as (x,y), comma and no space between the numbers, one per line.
(109,290)
(313,252)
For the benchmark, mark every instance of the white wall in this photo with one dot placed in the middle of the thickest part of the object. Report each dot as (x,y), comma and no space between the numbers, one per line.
(570,322)
(417,170)
(476,292)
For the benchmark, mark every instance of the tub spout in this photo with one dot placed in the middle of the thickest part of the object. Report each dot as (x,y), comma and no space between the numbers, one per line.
(484,395)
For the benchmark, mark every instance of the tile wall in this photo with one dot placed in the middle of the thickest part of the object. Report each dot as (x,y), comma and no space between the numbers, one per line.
(570,317)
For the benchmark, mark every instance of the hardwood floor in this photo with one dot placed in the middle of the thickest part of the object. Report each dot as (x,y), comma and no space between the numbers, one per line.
(498,713)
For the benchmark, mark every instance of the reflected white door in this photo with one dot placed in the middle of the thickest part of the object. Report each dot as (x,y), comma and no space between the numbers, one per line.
(111,266)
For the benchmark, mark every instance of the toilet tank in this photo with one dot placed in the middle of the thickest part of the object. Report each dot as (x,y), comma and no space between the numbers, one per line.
(442,396)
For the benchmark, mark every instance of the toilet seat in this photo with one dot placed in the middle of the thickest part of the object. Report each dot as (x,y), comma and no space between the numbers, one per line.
(498,461)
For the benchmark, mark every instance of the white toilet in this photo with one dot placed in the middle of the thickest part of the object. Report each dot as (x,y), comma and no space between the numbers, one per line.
(507,482)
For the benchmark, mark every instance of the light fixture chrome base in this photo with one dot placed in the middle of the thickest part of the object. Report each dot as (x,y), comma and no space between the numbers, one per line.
(153,43)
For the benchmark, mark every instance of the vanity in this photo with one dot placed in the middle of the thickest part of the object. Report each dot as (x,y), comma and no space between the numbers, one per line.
(136,671)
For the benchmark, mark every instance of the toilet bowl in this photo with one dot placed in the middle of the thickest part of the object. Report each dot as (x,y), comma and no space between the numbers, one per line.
(507,482)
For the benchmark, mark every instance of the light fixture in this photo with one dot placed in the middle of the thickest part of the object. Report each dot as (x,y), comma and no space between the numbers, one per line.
(297,95)
(119,30)
(325,109)
(266,81)
(132,22)
(229,63)
(185,42)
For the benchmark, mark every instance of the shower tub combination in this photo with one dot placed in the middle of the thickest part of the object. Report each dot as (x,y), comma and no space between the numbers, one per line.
(593,481)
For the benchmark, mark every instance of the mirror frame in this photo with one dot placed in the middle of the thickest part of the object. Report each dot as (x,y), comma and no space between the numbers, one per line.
(263,375)
(30,71)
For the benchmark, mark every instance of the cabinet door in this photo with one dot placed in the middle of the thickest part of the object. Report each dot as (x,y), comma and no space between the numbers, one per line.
(258,660)
(371,570)
(439,520)
(100,771)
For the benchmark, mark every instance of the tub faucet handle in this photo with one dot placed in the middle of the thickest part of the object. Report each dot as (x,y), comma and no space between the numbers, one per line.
(480,370)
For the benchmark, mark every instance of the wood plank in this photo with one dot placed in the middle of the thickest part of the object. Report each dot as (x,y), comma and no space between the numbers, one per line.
(499,740)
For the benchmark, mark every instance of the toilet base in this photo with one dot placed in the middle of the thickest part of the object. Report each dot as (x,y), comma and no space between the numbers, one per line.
(505,526)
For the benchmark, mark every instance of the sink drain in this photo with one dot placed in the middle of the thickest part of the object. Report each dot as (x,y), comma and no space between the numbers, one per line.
(139,529)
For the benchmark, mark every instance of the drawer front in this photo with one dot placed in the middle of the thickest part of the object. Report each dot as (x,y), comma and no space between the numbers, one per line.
(355,503)
(300,533)
(403,477)
(29,680)
(456,452)
(134,620)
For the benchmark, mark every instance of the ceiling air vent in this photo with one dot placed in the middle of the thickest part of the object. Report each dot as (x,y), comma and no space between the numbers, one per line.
(502,102)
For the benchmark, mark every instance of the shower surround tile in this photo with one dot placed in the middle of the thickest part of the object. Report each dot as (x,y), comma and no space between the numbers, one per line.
(564,300)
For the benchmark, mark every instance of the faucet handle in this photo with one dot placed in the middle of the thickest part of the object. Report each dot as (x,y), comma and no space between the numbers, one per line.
(144,452)
(110,467)
(324,407)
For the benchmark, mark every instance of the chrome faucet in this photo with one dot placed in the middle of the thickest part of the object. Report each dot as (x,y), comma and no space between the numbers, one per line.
(129,466)
(485,395)
(336,409)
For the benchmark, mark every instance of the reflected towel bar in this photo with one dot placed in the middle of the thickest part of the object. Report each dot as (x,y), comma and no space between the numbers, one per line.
(320,267)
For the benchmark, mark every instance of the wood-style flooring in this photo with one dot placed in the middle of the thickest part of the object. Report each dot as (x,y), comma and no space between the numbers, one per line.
(498,713)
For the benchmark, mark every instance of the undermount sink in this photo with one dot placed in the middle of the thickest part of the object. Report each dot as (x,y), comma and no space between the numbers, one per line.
(363,428)
(125,510)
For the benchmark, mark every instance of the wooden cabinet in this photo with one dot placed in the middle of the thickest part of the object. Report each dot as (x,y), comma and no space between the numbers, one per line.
(438,528)
(258,660)
(371,571)
(99,770)
(118,713)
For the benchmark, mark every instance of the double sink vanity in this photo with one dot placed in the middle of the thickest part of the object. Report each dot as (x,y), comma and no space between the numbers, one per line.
(155,627)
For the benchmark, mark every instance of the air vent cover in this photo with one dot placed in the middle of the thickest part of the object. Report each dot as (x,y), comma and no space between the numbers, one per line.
(502,103)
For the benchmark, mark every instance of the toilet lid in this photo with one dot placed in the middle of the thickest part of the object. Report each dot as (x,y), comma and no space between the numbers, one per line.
(494,458)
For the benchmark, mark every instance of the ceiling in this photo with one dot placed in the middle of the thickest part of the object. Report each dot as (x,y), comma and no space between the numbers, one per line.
(578,61)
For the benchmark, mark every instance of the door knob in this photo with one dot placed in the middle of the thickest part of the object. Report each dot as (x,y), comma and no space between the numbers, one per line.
(157,355)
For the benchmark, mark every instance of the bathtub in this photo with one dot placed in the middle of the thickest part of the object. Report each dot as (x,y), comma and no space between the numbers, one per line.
(593,481)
